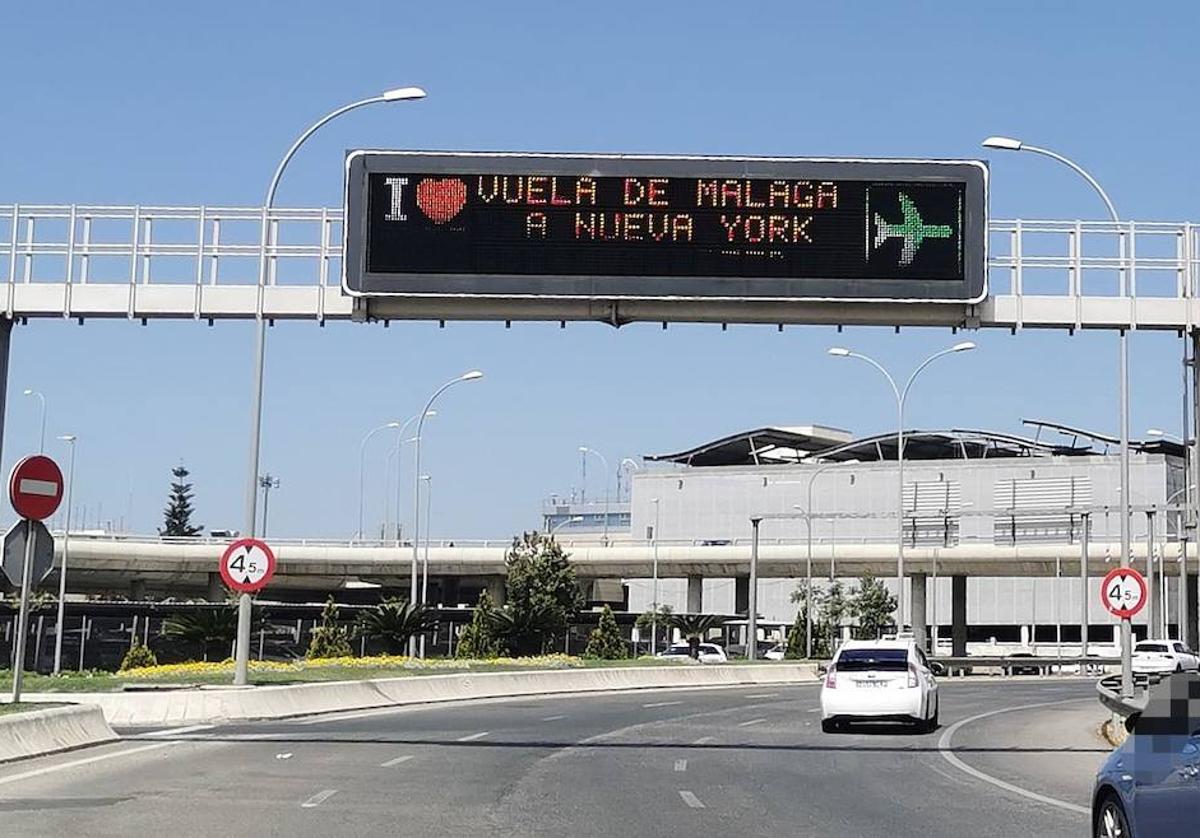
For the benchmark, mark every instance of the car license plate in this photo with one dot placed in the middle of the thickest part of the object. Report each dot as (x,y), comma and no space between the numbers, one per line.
(870,683)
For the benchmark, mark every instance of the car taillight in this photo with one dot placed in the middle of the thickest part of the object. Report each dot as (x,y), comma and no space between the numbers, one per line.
(831,678)
(912,675)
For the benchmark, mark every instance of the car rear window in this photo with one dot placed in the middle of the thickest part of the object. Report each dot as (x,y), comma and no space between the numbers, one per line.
(883,660)
(1150,647)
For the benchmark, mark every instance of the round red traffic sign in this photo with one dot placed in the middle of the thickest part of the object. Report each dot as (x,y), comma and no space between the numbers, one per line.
(247,565)
(1123,592)
(35,487)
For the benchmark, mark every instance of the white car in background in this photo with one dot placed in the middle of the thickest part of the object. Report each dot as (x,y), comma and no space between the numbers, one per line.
(709,653)
(879,680)
(1164,656)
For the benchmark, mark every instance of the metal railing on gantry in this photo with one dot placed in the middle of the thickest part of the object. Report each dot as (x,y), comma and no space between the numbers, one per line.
(143,262)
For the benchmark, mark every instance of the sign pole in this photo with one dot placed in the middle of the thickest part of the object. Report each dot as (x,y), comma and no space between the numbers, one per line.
(241,666)
(23,614)
(246,566)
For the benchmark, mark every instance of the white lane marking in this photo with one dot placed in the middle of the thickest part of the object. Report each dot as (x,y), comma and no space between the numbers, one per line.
(318,798)
(45,488)
(173,731)
(751,722)
(662,704)
(395,761)
(681,765)
(471,737)
(75,763)
(553,718)
(948,735)
(815,710)
(704,740)
(288,755)
(764,695)
(691,800)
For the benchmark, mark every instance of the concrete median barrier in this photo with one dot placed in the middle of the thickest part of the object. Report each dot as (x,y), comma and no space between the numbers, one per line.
(194,706)
(38,732)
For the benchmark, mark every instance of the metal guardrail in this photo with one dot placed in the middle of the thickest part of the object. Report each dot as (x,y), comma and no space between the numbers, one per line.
(1045,663)
(1109,693)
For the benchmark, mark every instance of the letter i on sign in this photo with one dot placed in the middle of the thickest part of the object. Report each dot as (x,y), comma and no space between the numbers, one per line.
(396,211)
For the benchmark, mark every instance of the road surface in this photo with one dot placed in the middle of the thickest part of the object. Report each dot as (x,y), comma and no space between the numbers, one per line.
(717,762)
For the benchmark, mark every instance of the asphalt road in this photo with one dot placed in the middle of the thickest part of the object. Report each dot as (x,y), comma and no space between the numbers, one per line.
(725,762)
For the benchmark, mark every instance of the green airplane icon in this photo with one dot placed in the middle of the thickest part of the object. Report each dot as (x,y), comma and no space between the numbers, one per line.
(912,230)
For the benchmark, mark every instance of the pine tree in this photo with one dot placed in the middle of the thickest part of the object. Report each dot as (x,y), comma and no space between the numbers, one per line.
(874,606)
(478,639)
(329,640)
(543,595)
(605,641)
(177,517)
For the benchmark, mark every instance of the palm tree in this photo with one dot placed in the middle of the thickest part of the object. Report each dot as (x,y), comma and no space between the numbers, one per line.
(394,621)
(203,627)
(694,627)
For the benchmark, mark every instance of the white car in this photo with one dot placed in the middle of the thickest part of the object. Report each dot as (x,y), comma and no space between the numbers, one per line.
(879,680)
(709,653)
(1163,656)
(776,653)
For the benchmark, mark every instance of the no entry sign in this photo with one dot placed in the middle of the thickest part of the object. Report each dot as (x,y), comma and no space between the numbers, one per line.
(36,487)
(1123,592)
(247,565)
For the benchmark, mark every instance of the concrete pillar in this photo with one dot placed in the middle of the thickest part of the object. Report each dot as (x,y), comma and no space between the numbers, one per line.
(137,590)
(495,588)
(741,595)
(919,586)
(216,588)
(958,615)
(695,594)
(1190,618)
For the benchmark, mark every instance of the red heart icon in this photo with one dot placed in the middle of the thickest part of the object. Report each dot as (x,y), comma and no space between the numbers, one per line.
(441,200)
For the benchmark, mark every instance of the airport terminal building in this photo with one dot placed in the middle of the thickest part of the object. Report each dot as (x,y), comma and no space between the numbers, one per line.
(969,493)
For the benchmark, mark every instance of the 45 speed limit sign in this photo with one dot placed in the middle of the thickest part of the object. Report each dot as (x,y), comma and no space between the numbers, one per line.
(1123,592)
(247,565)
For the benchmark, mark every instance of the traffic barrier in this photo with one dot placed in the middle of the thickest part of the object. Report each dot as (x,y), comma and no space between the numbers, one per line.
(37,732)
(192,706)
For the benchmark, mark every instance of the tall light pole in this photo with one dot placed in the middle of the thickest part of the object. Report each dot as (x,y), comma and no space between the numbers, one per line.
(398,453)
(901,399)
(42,436)
(362,465)
(428,480)
(808,575)
(267,482)
(628,465)
(654,590)
(574,519)
(62,570)
(1010,144)
(583,449)
(473,375)
(399,94)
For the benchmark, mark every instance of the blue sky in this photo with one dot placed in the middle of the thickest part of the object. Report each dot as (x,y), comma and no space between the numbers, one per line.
(194,103)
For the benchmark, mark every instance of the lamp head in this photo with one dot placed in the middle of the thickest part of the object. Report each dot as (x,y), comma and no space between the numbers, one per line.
(28,391)
(839,351)
(965,346)
(1155,432)
(583,449)
(1003,143)
(67,437)
(401,94)
(471,376)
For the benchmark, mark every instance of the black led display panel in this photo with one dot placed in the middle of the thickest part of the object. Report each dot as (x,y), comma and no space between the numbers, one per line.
(632,227)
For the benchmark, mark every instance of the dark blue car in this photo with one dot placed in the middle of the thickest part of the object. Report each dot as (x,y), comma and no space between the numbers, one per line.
(1150,786)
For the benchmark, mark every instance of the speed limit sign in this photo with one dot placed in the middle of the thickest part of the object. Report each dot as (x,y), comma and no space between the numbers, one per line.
(1123,592)
(247,565)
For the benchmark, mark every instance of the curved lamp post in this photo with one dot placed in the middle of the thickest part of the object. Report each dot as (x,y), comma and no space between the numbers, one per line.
(583,449)
(1011,144)
(362,452)
(901,399)
(473,375)
(399,94)
(42,436)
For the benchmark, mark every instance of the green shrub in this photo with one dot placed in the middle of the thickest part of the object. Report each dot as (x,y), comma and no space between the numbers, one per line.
(605,641)
(329,640)
(137,657)
(478,639)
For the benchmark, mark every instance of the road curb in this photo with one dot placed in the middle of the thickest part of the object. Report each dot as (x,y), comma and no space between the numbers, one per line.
(186,707)
(39,732)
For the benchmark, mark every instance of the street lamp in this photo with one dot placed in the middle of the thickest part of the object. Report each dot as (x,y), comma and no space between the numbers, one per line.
(574,519)
(267,482)
(654,591)
(1010,144)
(62,570)
(473,375)
(399,94)
(362,464)
(398,454)
(627,465)
(428,480)
(583,449)
(808,593)
(901,398)
(42,437)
